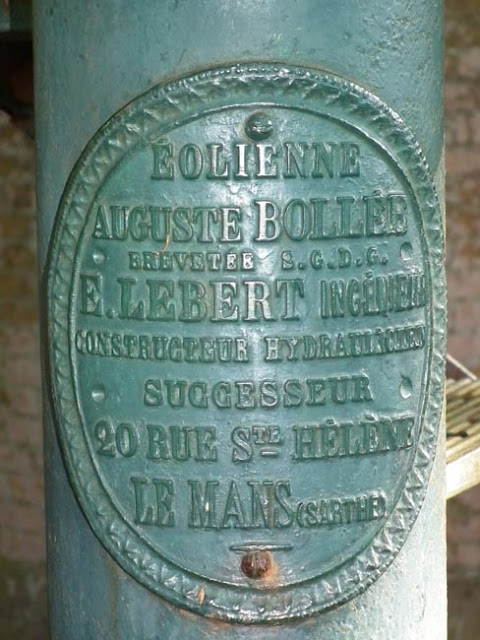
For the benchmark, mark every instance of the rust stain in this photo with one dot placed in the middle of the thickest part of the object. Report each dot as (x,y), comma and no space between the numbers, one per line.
(165,246)
(260,565)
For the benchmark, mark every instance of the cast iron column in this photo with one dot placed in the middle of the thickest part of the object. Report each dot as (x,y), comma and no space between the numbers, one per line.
(242,273)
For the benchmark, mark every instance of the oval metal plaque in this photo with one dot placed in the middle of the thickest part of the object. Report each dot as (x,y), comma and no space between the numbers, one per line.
(246,326)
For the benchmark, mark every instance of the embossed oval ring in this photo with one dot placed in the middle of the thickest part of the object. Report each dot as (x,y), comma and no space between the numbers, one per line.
(246,314)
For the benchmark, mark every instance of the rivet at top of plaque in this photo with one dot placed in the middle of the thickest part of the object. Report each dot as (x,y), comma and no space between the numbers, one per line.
(259,126)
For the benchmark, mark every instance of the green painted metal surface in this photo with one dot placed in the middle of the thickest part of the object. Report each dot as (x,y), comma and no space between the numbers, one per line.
(245,319)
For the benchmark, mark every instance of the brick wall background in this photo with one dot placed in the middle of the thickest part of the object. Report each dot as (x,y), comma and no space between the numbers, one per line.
(462,137)
(22,582)
(462,119)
